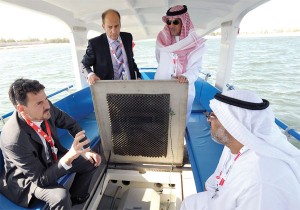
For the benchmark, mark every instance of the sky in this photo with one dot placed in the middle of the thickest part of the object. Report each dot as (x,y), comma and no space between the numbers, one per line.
(275,14)
(18,23)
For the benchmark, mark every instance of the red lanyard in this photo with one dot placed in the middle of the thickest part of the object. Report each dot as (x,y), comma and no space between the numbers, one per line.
(46,136)
(175,64)
(223,176)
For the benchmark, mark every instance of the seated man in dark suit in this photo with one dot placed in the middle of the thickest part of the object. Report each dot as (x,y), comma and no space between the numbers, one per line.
(33,155)
(110,54)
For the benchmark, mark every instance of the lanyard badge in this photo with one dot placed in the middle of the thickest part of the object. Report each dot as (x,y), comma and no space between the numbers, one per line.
(221,178)
(47,136)
(175,65)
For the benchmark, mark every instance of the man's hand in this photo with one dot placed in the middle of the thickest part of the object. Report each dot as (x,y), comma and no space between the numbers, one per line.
(181,79)
(76,148)
(93,157)
(92,78)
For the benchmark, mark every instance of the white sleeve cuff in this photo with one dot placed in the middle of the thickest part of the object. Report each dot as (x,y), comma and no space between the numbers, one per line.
(65,166)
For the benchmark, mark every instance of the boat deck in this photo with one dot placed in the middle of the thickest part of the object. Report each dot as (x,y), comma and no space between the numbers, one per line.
(203,153)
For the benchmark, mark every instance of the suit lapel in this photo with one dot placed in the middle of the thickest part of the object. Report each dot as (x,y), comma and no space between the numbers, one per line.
(34,137)
(125,44)
(128,49)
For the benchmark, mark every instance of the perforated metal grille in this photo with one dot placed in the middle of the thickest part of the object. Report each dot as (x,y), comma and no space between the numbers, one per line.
(139,124)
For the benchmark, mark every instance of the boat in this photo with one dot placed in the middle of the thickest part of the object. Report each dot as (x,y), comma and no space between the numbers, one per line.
(164,178)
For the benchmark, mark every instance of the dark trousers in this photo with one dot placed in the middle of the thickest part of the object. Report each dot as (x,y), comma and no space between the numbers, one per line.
(58,197)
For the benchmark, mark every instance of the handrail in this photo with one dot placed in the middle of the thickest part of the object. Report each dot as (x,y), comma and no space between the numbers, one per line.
(59,91)
(49,96)
(148,68)
(207,75)
(287,129)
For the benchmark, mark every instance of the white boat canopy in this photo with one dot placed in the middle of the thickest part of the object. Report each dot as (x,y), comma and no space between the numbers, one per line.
(142,18)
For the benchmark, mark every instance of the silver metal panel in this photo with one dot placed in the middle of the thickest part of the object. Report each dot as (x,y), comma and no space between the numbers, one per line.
(130,132)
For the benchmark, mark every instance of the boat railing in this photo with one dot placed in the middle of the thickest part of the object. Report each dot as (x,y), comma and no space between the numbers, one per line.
(3,117)
(289,131)
(148,68)
(153,69)
(230,87)
(60,91)
(207,75)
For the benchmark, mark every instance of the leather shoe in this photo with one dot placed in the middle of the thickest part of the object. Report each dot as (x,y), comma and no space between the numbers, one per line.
(79,199)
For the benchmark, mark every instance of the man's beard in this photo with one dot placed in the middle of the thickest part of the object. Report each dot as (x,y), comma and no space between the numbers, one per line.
(220,136)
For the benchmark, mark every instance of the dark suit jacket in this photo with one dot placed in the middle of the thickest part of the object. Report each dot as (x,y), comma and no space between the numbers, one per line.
(26,165)
(98,55)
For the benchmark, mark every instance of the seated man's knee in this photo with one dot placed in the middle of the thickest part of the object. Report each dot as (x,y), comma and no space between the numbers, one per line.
(61,197)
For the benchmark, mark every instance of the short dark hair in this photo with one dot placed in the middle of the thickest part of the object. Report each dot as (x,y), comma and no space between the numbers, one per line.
(20,87)
(109,11)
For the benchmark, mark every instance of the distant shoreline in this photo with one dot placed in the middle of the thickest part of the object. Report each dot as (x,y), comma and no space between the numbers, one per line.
(6,44)
(10,43)
(27,44)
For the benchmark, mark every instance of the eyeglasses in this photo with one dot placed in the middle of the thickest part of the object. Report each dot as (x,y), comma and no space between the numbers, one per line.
(210,115)
(175,22)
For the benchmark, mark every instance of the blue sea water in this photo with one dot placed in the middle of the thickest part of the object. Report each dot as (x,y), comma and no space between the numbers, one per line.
(268,65)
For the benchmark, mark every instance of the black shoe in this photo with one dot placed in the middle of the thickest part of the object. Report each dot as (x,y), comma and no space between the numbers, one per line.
(79,199)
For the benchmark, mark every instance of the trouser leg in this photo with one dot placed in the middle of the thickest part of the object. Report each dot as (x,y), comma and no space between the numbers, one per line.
(84,174)
(57,197)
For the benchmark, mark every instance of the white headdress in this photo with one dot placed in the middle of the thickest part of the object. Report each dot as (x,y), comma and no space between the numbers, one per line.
(254,127)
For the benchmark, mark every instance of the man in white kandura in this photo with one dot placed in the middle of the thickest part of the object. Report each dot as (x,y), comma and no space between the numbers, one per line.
(258,169)
(179,51)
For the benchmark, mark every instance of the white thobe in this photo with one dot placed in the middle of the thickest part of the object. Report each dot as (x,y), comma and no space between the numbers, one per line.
(165,70)
(254,183)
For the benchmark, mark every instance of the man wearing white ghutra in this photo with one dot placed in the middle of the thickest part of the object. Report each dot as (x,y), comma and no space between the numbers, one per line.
(259,169)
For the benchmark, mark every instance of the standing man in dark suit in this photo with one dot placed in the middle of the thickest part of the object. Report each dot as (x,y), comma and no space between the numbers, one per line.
(33,155)
(110,54)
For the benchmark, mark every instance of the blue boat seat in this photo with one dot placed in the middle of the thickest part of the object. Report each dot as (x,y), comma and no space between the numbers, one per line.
(89,124)
(203,153)
(149,75)
(197,106)
(79,105)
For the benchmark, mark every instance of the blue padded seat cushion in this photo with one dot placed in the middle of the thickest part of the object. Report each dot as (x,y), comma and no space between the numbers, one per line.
(204,153)
(89,124)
